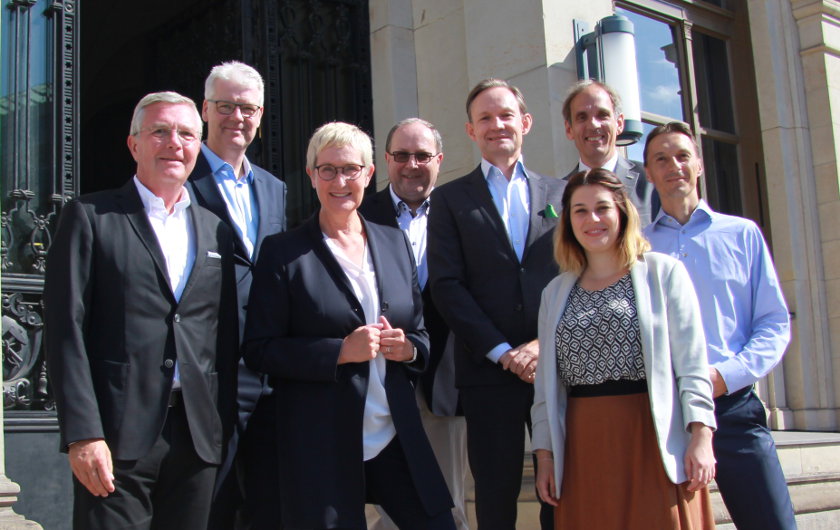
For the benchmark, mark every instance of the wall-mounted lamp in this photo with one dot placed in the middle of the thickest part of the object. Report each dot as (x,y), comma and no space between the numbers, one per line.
(608,54)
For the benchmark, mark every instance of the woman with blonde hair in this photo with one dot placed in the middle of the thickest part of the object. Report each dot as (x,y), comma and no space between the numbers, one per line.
(623,412)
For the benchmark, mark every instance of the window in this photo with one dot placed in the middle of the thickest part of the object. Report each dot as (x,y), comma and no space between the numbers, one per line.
(695,65)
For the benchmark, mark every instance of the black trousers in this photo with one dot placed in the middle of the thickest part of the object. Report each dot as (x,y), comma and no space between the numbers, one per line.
(388,483)
(497,417)
(749,475)
(169,488)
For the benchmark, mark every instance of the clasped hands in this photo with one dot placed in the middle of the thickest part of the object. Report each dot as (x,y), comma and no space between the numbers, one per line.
(522,360)
(366,342)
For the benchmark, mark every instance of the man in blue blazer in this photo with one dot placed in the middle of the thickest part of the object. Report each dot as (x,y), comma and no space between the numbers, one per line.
(252,202)
(593,122)
(490,256)
(140,334)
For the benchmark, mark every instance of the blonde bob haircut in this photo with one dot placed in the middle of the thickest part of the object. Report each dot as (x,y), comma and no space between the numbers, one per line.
(630,245)
(339,134)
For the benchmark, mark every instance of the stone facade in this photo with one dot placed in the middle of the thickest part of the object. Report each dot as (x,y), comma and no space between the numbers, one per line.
(427,54)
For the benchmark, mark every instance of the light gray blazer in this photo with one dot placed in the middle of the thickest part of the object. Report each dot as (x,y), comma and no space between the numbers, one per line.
(674,350)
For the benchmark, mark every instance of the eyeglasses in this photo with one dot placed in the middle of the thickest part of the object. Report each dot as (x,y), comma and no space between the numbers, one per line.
(401,157)
(329,171)
(226,108)
(161,134)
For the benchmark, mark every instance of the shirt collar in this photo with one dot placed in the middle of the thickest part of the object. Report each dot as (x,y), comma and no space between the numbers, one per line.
(518,169)
(702,211)
(610,165)
(400,205)
(154,205)
(216,164)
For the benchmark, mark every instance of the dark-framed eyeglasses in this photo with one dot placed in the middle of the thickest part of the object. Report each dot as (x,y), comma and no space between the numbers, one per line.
(349,172)
(401,157)
(226,108)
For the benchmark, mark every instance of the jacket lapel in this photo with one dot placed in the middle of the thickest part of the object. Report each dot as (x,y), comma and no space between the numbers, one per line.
(480,192)
(537,194)
(644,310)
(205,187)
(201,229)
(129,200)
(313,231)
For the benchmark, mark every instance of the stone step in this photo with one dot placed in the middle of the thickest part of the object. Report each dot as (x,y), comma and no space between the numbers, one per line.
(810,461)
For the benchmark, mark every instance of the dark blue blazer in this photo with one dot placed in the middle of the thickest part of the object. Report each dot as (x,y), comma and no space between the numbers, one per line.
(271,202)
(114,328)
(484,292)
(301,308)
(379,208)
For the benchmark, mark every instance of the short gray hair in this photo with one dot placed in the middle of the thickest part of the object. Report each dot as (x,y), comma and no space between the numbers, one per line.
(339,134)
(162,97)
(236,72)
(409,121)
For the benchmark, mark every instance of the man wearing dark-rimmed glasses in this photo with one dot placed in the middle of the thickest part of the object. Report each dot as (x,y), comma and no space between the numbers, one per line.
(413,153)
(252,202)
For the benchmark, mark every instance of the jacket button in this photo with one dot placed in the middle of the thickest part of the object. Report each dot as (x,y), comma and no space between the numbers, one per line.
(177,318)
(519,307)
(169,363)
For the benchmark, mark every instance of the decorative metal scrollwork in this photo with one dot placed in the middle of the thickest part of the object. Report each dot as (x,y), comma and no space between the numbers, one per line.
(24,372)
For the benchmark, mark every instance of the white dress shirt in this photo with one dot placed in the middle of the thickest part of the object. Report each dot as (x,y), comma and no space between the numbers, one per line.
(176,237)
(378,426)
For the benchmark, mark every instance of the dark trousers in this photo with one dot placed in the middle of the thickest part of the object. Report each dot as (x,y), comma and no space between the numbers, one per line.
(497,417)
(170,487)
(749,475)
(388,483)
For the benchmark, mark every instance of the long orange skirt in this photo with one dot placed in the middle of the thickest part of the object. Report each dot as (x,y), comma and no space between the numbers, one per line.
(613,476)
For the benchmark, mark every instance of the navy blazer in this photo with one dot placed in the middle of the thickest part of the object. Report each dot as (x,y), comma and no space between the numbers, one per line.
(114,328)
(270,194)
(302,307)
(379,208)
(485,294)
(641,192)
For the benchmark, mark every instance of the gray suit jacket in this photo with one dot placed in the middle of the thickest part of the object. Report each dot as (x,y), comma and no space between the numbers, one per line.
(641,192)
(674,350)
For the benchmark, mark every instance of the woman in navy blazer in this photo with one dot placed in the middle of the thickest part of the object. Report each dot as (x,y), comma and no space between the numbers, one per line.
(335,318)
(623,411)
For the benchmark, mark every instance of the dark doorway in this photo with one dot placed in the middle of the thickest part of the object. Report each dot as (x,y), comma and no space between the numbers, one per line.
(315,58)
(313,55)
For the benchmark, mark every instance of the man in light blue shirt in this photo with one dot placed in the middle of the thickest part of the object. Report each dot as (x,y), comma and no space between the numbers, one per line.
(745,320)
(252,202)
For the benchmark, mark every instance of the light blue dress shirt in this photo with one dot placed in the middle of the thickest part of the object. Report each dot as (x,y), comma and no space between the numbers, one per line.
(513,203)
(744,312)
(414,227)
(238,195)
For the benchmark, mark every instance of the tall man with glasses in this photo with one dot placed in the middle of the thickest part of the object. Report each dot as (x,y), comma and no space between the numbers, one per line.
(490,256)
(414,152)
(141,335)
(252,202)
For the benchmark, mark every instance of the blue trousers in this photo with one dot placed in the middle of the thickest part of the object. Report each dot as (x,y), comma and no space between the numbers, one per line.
(749,475)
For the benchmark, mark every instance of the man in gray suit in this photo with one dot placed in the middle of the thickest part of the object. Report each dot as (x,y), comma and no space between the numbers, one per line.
(592,113)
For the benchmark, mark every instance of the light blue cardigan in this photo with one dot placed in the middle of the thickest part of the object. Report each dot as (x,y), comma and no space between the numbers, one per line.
(674,351)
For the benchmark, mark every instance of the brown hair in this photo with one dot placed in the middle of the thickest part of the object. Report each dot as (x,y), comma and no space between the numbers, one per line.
(670,127)
(630,245)
(493,82)
(579,87)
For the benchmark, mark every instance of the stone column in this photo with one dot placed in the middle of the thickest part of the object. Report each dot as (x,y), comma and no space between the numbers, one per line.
(796,44)
(9,520)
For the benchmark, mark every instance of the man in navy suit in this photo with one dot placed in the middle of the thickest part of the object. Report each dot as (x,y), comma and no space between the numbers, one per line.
(490,256)
(252,202)
(414,152)
(593,122)
(140,334)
